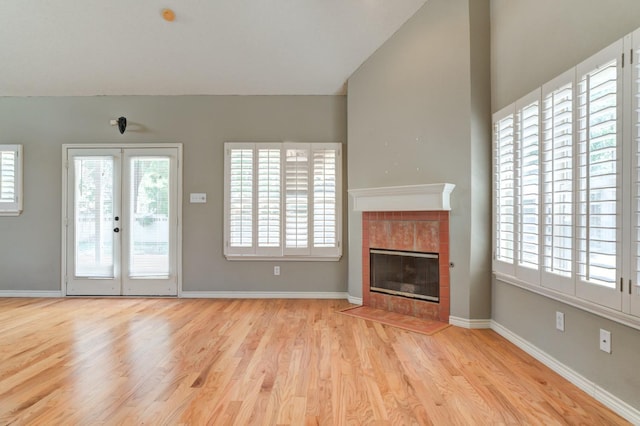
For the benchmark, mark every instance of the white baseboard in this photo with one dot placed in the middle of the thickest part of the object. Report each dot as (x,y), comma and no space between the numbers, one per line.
(213,295)
(30,293)
(354,300)
(262,295)
(469,323)
(607,398)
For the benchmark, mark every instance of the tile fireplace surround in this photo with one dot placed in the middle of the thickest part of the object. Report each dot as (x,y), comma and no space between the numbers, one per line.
(422,227)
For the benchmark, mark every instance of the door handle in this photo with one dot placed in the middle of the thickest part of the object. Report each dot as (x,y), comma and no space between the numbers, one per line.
(116,230)
(117,218)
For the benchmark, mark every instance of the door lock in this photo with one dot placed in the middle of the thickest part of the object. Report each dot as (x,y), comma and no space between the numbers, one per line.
(116,230)
(117,218)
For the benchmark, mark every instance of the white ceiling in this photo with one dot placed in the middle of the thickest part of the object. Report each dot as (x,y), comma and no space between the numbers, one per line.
(222,47)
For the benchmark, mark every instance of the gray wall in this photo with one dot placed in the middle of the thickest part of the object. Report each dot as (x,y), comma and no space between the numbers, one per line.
(418,111)
(480,167)
(532,41)
(30,244)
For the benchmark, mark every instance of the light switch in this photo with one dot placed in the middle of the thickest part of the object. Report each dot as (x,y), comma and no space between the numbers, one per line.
(198,197)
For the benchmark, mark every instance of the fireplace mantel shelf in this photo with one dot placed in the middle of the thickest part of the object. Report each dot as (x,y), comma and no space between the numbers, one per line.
(427,197)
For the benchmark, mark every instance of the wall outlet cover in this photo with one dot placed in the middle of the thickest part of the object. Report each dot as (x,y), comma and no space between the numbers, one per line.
(605,341)
(560,321)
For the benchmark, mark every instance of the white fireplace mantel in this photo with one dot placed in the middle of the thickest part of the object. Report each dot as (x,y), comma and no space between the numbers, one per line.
(427,197)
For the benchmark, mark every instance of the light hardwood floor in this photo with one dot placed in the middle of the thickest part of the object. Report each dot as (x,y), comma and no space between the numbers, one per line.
(178,361)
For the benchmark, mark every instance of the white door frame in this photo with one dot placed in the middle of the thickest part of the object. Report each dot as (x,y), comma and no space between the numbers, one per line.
(65,200)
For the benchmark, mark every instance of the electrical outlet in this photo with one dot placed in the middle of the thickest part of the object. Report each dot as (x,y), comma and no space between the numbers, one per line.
(276,270)
(560,321)
(605,341)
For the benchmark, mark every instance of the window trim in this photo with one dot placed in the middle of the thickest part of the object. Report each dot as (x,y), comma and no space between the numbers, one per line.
(255,253)
(15,208)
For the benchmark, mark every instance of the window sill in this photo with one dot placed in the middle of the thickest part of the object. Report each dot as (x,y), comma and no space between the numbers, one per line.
(250,257)
(602,311)
(10,213)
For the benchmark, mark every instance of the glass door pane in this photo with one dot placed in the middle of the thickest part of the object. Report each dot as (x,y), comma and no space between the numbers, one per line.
(93,217)
(150,204)
(149,217)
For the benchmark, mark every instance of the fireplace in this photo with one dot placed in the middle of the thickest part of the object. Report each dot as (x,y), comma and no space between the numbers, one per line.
(409,274)
(399,223)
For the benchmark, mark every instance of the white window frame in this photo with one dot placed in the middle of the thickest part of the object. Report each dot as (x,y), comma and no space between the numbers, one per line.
(253,251)
(13,208)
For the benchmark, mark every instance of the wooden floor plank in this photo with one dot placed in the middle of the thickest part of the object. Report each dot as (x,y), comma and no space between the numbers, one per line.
(263,362)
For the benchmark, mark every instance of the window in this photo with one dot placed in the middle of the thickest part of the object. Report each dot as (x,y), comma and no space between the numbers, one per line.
(10,180)
(567,186)
(283,200)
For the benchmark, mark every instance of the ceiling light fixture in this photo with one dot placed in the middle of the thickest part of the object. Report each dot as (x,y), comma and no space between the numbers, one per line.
(168,15)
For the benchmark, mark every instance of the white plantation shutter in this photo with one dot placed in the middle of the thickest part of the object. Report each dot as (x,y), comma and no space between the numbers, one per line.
(598,178)
(528,185)
(324,198)
(7,176)
(283,200)
(240,186)
(557,187)
(634,267)
(10,179)
(297,163)
(269,204)
(504,190)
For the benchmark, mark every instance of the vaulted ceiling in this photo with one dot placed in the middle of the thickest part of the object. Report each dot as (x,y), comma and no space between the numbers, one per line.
(222,47)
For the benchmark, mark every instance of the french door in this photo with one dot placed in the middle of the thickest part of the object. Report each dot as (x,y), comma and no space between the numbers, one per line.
(121,221)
